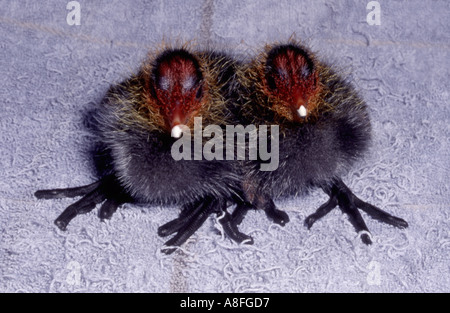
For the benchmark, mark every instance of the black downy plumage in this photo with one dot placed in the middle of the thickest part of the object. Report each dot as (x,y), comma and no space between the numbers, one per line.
(139,121)
(324,128)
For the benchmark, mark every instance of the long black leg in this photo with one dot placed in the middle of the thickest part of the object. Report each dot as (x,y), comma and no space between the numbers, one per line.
(82,206)
(277,216)
(379,214)
(372,210)
(323,210)
(67,192)
(348,206)
(107,188)
(188,212)
(239,213)
(192,217)
(190,227)
(341,195)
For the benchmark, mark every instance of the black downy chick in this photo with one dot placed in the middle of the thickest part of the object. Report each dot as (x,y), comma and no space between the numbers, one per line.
(324,128)
(138,123)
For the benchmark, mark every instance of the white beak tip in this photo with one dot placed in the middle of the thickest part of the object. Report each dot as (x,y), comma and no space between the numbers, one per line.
(176,131)
(302,111)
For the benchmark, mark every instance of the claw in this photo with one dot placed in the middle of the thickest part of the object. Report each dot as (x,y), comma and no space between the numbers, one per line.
(366,237)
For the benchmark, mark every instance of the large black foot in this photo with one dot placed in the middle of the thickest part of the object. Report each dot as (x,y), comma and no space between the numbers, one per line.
(341,195)
(105,189)
(192,217)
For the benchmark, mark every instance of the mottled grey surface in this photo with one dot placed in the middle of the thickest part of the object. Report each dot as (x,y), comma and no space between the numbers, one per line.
(53,73)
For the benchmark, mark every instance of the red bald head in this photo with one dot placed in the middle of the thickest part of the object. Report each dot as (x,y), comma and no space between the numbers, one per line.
(292,79)
(178,86)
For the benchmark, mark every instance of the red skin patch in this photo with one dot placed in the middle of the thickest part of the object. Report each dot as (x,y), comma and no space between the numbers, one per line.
(294,82)
(177,90)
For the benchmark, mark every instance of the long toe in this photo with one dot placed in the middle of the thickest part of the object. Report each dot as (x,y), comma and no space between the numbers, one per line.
(398,222)
(231,230)
(379,214)
(170,227)
(323,210)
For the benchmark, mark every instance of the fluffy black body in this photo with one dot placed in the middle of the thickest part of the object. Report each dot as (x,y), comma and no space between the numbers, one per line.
(317,152)
(136,160)
(314,151)
(141,160)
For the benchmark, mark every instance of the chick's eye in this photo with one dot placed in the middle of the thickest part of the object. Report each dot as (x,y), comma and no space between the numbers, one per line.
(278,79)
(271,82)
(199,93)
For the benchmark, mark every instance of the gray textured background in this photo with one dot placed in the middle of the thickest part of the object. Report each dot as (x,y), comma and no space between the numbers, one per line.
(53,73)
